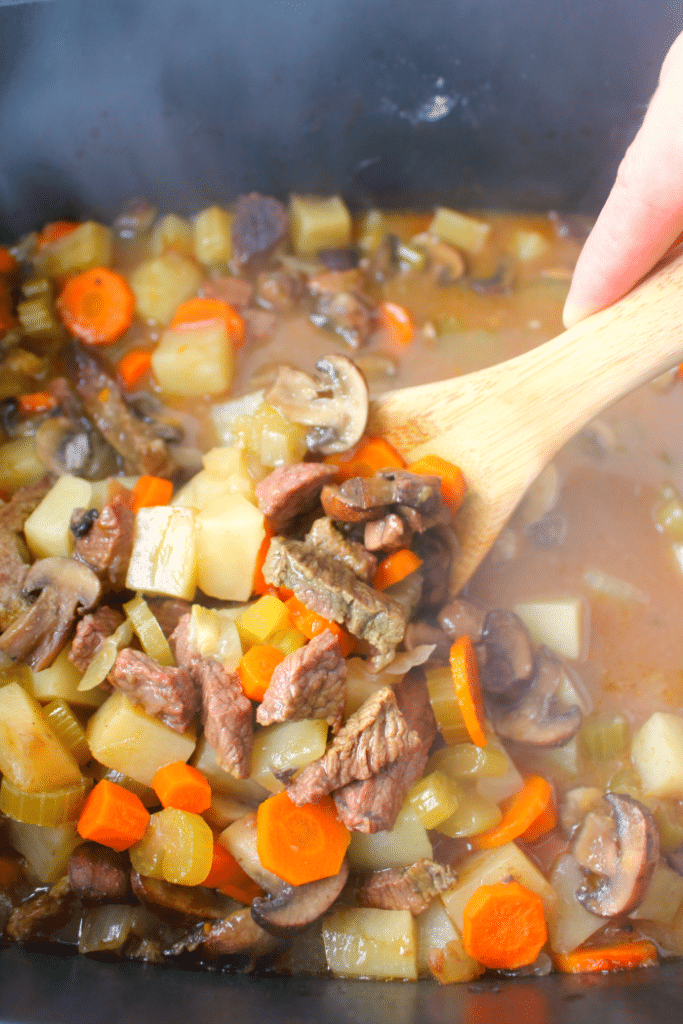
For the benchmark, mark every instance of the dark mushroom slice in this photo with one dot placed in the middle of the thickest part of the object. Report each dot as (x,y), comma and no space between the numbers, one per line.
(447,262)
(538,718)
(339,259)
(638,854)
(65,587)
(335,404)
(228,936)
(75,447)
(596,847)
(297,906)
(461,618)
(259,225)
(176,903)
(509,657)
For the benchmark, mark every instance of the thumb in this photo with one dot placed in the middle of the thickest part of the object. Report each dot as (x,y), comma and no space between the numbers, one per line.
(643,214)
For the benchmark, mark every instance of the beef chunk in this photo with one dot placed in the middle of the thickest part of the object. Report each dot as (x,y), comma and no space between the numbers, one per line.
(168,694)
(376,735)
(141,450)
(98,874)
(279,290)
(40,913)
(14,556)
(309,683)
(373,805)
(90,632)
(108,544)
(168,611)
(387,534)
(330,588)
(362,499)
(325,538)
(290,491)
(24,501)
(339,259)
(407,888)
(234,290)
(259,225)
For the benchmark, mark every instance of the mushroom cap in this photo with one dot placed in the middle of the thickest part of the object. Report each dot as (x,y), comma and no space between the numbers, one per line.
(297,906)
(538,718)
(77,583)
(509,658)
(71,446)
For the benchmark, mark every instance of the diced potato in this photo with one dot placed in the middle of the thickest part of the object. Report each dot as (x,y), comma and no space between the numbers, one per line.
(171,232)
(247,791)
(31,755)
(434,930)
(224,810)
(560,624)
(663,896)
(432,799)
(47,528)
(492,866)
(657,753)
(177,846)
(214,635)
(286,746)
(269,437)
(212,230)
(452,964)
(529,245)
(164,558)
(19,464)
(406,843)
(162,283)
(195,361)
(668,936)
(445,705)
(202,487)
(367,943)
(104,490)
(260,620)
(47,850)
(124,737)
(317,224)
(229,534)
(225,462)
(60,682)
(460,230)
(224,414)
(571,924)
(88,245)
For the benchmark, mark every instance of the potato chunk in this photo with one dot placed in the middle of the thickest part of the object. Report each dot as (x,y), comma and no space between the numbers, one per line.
(47,528)
(229,534)
(31,755)
(197,361)
(318,223)
(657,753)
(60,682)
(161,284)
(212,230)
(368,943)
(164,558)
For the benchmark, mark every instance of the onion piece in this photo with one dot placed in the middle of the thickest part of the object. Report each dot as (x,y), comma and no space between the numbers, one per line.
(611,586)
(103,661)
(406,660)
(106,928)
(148,631)
(68,729)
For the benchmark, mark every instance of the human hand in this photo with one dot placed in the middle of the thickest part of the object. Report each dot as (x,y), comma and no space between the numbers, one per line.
(643,214)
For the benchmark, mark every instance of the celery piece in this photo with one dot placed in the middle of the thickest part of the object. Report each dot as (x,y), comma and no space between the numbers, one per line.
(35,286)
(68,729)
(626,780)
(410,257)
(48,808)
(605,736)
(177,846)
(473,815)
(465,760)
(38,319)
(669,818)
(433,799)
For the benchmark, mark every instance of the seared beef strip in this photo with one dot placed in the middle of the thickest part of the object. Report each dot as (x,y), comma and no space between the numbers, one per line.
(387,534)
(24,501)
(108,544)
(374,736)
(41,913)
(309,683)
(362,499)
(407,888)
(325,538)
(168,694)
(14,556)
(98,874)
(373,805)
(290,491)
(330,588)
(90,632)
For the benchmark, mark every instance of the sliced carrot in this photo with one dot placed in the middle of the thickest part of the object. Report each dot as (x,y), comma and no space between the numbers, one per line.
(181,786)
(8,264)
(465,672)
(504,926)
(54,231)
(523,811)
(623,957)
(37,401)
(197,313)
(311,624)
(10,871)
(545,822)
(300,844)
(227,876)
(113,816)
(133,367)
(398,323)
(97,306)
(151,490)
(453,486)
(395,567)
(365,459)
(260,586)
(256,668)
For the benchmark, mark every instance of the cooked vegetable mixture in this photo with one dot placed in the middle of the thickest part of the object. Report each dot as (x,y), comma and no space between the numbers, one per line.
(243,721)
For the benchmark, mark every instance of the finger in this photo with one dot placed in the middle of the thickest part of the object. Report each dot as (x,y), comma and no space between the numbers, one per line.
(643,214)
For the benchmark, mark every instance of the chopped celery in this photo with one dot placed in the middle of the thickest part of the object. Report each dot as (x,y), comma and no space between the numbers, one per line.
(410,257)
(445,705)
(473,815)
(177,846)
(669,818)
(605,736)
(48,808)
(626,780)
(465,760)
(433,799)
(38,319)
(68,729)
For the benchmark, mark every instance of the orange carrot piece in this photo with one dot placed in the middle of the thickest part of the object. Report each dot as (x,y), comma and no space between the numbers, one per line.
(256,668)
(151,490)
(113,816)
(395,567)
(37,401)
(453,486)
(259,585)
(300,844)
(622,957)
(311,624)
(365,459)
(197,313)
(8,264)
(97,306)
(54,231)
(465,672)
(523,811)
(229,878)
(545,822)
(398,323)
(10,871)
(181,786)
(504,926)
(133,367)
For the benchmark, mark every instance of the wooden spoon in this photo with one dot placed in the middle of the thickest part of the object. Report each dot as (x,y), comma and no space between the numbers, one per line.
(502,425)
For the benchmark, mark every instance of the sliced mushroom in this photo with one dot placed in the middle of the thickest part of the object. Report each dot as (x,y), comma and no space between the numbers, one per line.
(538,718)
(67,446)
(367,498)
(177,903)
(509,658)
(297,906)
(228,936)
(335,405)
(461,618)
(637,841)
(64,587)
(447,262)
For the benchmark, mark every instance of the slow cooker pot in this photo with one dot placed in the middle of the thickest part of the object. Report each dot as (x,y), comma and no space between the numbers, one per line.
(470,103)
